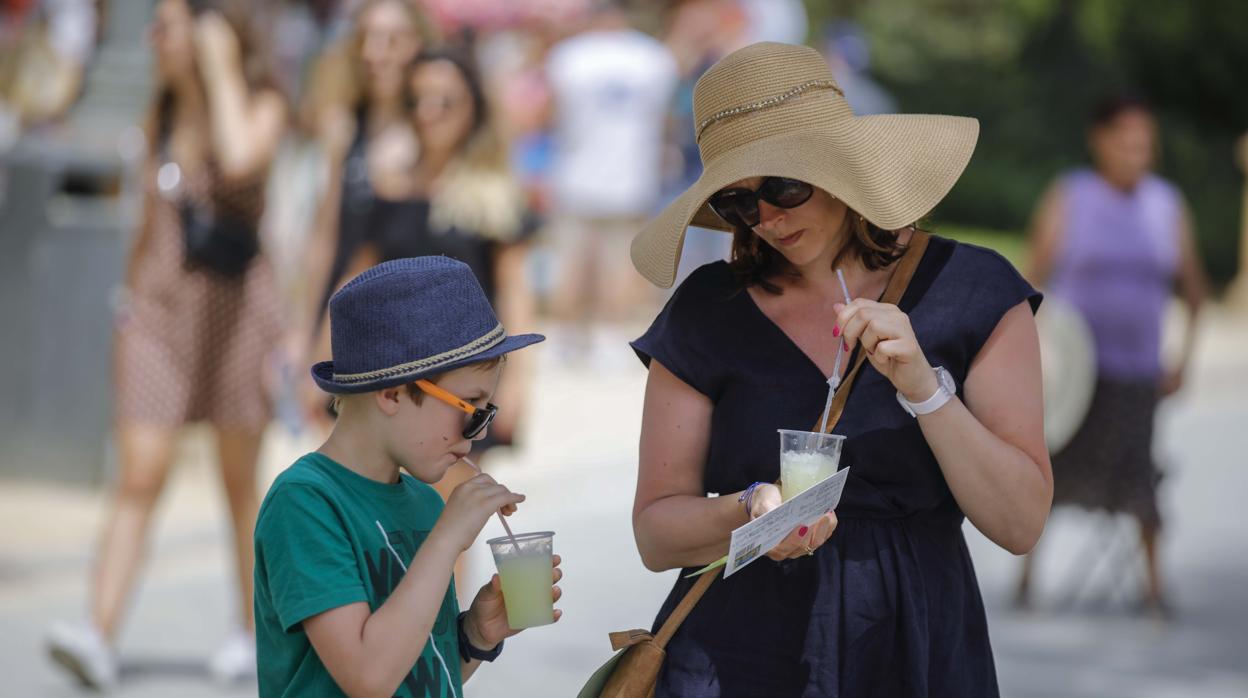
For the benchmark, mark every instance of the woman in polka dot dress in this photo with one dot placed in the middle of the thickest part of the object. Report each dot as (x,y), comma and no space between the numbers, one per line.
(192,341)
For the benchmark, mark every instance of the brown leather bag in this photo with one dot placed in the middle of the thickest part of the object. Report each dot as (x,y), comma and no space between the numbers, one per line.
(634,670)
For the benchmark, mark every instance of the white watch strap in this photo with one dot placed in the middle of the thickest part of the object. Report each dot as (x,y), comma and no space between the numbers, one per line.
(933,403)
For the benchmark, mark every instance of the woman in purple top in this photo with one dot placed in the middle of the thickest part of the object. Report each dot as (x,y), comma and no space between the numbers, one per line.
(1112,241)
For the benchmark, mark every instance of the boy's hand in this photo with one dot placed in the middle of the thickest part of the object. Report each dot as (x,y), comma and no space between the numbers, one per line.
(470,506)
(486,623)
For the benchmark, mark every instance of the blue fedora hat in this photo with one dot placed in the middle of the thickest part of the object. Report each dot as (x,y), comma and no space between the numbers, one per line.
(406,319)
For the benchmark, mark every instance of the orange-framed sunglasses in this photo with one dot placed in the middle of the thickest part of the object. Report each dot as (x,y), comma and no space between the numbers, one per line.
(478,418)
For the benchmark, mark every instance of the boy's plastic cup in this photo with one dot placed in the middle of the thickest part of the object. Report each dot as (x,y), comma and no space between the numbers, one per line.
(806,458)
(526,577)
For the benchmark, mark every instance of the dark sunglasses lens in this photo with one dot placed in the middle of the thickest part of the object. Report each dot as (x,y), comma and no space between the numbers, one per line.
(479,421)
(785,193)
(736,207)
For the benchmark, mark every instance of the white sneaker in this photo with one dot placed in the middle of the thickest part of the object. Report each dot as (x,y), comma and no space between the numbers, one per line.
(81,650)
(235,660)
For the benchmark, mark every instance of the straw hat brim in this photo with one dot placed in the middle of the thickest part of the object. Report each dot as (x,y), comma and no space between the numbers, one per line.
(891,168)
(323,372)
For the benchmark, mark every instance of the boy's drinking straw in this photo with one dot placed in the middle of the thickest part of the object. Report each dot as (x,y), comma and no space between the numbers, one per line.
(834,381)
(502,519)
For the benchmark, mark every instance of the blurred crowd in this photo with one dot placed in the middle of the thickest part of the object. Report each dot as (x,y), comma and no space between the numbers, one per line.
(580,110)
(541,132)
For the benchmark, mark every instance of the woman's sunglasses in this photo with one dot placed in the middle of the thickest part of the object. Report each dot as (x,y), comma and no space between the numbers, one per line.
(478,418)
(740,206)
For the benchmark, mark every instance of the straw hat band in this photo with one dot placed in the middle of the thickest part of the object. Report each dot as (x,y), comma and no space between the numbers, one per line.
(809,109)
(753,75)
(430,363)
(763,104)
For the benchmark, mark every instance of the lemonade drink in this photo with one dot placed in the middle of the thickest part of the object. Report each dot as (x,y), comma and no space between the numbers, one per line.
(806,458)
(801,471)
(526,576)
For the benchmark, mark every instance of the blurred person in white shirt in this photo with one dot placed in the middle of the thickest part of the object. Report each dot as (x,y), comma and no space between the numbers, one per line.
(612,87)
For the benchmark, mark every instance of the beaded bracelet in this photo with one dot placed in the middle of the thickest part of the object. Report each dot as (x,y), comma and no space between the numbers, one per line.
(747,497)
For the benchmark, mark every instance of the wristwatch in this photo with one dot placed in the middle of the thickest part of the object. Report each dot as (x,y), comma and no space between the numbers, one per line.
(945,390)
(469,651)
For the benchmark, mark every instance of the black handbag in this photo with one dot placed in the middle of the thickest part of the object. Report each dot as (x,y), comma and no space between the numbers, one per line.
(217,241)
(214,239)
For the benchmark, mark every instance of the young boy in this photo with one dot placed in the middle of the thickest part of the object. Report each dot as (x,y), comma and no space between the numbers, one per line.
(353,568)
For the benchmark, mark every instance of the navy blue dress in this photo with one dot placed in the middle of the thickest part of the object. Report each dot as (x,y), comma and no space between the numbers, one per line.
(890,605)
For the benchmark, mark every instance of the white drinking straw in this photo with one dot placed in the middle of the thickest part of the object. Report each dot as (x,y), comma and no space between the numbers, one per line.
(502,519)
(844,289)
(834,381)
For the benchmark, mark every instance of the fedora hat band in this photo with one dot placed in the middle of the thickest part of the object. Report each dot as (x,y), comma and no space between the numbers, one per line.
(431,363)
(812,105)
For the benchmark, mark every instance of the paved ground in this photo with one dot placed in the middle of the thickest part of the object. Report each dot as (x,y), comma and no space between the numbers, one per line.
(579,476)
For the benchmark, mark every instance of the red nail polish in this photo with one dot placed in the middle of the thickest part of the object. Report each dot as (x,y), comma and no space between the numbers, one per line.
(801,532)
(836,330)
(846,345)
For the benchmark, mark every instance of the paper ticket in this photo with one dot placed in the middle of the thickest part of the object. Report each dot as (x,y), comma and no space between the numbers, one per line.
(755,538)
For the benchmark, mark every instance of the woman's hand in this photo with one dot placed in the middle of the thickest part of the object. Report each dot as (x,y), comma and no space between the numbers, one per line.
(885,334)
(803,540)
(246,122)
(216,46)
(486,624)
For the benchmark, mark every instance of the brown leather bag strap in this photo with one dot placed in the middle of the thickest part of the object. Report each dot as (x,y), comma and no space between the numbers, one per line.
(684,607)
(897,284)
(892,294)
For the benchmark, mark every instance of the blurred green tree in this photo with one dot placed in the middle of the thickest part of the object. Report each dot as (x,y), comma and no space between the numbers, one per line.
(1031,71)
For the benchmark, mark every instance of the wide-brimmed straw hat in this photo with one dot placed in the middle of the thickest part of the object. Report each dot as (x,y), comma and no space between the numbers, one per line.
(774,110)
(407,319)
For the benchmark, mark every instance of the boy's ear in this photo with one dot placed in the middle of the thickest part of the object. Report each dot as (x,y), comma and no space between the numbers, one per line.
(388,400)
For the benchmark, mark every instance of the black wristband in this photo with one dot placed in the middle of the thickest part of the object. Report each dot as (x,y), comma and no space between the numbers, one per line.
(469,651)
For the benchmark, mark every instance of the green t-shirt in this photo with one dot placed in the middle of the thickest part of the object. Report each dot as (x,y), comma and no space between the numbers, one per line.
(318,547)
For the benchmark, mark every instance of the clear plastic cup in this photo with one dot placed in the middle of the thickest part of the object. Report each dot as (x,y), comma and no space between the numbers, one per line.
(807,458)
(526,577)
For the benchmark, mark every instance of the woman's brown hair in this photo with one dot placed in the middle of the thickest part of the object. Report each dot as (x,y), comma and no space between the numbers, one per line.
(339,75)
(756,263)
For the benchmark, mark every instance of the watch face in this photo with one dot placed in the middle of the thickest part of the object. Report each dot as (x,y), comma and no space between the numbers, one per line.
(946,381)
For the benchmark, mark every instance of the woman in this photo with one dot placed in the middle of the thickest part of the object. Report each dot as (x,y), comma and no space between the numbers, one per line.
(192,343)
(879,598)
(361,110)
(1113,240)
(466,204)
